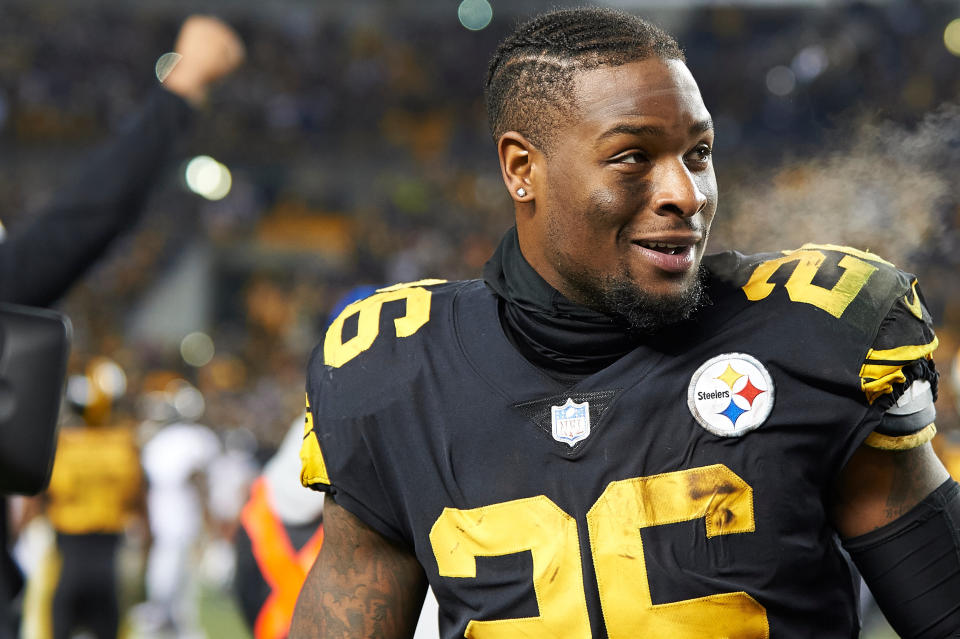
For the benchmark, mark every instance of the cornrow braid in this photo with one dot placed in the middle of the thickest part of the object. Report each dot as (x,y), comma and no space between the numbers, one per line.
(530,77)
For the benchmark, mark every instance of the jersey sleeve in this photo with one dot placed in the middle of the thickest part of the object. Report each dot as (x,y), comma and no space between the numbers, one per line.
(337,458)
(898,375)
(360,410)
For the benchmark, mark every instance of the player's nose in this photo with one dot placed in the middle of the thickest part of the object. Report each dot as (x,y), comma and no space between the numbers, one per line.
(676,192)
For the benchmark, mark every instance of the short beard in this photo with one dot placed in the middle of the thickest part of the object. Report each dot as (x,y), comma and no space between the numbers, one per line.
(643,312)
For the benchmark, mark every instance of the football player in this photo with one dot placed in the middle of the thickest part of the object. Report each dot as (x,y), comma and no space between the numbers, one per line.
(611,435)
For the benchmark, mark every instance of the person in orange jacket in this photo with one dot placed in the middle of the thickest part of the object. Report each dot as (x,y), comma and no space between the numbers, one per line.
(280,534)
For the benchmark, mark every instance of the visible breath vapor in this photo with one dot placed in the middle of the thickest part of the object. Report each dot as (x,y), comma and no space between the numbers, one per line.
(877,186)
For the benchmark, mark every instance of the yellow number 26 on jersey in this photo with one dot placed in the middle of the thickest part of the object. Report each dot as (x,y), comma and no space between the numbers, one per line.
(714,494)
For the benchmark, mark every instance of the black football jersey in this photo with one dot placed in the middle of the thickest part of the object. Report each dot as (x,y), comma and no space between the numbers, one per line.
(679,492)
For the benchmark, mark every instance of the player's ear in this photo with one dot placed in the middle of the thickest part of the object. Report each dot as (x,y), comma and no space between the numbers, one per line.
(518,164)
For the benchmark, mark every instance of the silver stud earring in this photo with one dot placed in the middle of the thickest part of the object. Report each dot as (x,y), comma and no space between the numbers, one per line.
(522,192)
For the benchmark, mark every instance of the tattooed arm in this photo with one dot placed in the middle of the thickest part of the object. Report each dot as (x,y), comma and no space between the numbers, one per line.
(899,514)
(879,486)
(362,585)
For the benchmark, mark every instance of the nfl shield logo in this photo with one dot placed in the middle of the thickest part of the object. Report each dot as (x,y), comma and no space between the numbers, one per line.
(570,422)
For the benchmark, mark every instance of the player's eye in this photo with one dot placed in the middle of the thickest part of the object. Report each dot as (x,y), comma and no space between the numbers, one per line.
(631,157)
(701,154)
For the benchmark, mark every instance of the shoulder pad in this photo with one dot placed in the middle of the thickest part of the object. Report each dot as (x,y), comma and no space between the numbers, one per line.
(881,303)
(365,368)
(342,344)
(854,286)
(371,353)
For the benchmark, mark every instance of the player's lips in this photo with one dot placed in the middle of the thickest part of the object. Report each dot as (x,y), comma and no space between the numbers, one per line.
(670,254)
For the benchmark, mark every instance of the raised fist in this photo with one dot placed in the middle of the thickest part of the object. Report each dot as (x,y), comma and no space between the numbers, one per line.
(209,49)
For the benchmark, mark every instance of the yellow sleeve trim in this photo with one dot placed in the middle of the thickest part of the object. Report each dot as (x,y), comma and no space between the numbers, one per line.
(313,469)
(904,442)
(878,379)
(904,353)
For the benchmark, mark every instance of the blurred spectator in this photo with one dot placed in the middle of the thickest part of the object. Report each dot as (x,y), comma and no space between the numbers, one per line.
(279,539)
(176,459)
(96,494)
(231,474)
(229,477)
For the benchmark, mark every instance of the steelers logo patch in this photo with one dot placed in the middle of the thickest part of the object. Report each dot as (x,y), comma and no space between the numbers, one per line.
(731,394)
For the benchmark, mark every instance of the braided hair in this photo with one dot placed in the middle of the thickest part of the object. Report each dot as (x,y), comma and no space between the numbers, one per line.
(530,78)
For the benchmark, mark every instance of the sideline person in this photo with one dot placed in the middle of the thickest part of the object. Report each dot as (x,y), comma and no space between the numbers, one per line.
(96,497)
(106,195)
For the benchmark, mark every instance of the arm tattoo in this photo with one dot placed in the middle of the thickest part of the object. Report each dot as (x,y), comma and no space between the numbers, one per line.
(362,585)
(912,481)
(878,487)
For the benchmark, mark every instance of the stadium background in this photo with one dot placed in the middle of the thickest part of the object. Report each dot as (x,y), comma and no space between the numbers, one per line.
(357,146)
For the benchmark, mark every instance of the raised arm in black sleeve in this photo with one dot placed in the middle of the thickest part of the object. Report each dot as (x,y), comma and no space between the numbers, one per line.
(39,262)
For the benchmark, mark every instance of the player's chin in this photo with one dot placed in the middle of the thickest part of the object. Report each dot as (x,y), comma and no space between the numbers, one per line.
(649,309)
(658,284)
(654,286)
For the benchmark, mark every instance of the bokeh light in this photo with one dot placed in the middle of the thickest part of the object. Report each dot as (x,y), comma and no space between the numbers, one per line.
(208,178)
(78,390)
(781,81)
(197,349)
(104,378)
(951,37)
(475,14)
(165,64)
(810,62)
(110,378)
(188,401)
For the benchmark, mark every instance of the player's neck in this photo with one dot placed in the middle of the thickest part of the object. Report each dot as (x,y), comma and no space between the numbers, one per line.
(566,340)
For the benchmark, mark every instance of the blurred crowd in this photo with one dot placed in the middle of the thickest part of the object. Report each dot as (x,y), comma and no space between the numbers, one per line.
(359,154)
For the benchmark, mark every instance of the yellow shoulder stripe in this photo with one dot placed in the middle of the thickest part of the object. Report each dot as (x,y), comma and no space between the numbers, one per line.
(904,442)
(904,353)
